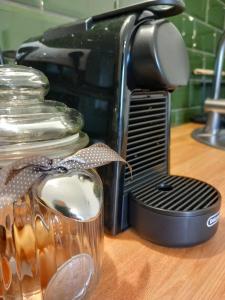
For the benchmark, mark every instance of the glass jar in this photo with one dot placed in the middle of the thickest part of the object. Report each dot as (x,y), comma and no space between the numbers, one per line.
(51,239)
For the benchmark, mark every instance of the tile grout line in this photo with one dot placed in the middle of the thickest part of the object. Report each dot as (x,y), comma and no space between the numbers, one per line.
(224,18)
(185,108)
(223,4)
(207,11)
(189,93)
(203,22)
(116,4)
(201,52)
(224,24)
(198,80)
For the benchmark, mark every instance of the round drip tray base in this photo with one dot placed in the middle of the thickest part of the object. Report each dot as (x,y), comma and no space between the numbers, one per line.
(175,211)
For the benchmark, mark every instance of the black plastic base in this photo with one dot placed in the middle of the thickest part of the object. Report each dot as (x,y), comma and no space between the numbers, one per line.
(175,211)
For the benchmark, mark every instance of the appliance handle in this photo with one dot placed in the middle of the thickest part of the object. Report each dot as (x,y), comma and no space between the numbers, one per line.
(166,8)
(159,8)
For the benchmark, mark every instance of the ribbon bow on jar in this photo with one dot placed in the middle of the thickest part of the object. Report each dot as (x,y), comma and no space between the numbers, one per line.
(18,177)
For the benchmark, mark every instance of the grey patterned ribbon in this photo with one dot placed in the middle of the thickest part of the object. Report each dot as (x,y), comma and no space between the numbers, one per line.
(18,177)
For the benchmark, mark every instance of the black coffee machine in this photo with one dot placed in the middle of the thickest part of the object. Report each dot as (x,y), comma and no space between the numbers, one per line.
(118,70)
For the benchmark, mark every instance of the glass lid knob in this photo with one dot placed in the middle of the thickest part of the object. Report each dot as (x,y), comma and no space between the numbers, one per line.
(19,83)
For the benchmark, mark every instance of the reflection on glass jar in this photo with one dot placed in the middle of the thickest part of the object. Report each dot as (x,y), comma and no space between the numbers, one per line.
(53,235)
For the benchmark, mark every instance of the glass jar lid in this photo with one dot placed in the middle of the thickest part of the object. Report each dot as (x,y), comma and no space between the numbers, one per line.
(20,83)
(30,125)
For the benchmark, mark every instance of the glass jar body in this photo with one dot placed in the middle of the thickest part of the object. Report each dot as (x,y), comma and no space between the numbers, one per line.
(54,233)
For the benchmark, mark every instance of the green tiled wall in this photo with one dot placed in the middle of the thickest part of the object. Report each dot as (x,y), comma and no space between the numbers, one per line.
(201,26)
(19,22)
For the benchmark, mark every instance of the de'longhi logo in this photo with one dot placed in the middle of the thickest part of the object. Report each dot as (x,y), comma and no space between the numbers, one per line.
(213,219)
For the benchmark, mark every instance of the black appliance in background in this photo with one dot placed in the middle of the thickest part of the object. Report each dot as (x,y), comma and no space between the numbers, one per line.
(118,70)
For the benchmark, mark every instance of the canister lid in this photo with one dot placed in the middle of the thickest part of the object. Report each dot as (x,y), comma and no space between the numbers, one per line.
(30,125)
(20,83)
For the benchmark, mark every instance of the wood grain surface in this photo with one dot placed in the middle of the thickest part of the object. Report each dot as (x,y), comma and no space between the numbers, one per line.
(135,269)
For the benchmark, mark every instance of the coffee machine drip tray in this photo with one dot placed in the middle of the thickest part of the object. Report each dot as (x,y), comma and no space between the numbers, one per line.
(175,211)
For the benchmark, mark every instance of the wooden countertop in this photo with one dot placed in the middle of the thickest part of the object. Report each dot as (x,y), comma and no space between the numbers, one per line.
(135,269)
